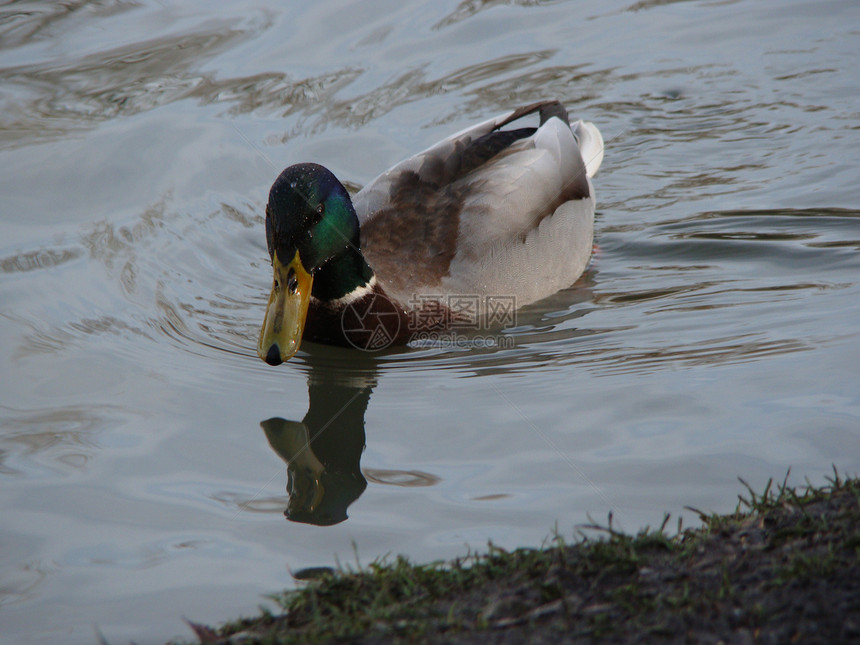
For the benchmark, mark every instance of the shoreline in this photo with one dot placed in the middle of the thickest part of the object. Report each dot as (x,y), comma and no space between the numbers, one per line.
(784,567)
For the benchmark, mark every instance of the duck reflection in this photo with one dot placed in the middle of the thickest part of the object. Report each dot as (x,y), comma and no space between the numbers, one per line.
(323,450)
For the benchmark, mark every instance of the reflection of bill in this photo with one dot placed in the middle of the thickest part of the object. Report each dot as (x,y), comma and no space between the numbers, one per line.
(371,324)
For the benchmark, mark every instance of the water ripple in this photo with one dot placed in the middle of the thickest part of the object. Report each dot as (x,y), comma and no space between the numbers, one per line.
(60,440)
(38,259)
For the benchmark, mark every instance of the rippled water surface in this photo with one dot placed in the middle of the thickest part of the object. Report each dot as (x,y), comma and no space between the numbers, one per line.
(144,446)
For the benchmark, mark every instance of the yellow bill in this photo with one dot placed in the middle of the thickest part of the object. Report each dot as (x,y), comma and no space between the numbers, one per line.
(285,315)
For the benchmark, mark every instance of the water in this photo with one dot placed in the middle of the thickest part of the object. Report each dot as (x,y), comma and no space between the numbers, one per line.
(714,336)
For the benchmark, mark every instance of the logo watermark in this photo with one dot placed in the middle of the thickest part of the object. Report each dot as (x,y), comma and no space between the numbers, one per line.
(449,320)
(371,325)
(462,341)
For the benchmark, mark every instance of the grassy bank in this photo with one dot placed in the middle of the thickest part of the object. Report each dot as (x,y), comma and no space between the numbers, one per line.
(782,568)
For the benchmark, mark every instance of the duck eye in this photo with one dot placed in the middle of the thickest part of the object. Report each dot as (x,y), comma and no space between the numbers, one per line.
(292,281)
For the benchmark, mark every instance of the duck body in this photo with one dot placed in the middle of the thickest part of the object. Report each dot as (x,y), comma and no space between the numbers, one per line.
(494,217)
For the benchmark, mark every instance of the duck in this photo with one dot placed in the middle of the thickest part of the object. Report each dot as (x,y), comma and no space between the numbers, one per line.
(459,236)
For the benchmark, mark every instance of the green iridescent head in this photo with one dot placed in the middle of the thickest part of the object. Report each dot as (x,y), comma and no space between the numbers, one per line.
(309,212)
(311,227)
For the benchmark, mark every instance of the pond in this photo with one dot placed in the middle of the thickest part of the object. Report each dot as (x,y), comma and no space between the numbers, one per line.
(144,445)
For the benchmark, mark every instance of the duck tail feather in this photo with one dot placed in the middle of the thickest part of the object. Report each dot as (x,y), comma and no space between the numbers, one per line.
(590,145)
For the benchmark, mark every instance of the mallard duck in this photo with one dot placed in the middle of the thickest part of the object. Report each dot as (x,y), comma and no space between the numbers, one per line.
(498,215)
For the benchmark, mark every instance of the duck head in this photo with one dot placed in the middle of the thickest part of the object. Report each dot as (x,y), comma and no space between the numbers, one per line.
(310,223)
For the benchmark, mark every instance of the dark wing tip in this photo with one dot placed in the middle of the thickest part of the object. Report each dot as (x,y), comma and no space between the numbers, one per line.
(551,109)
(547,110)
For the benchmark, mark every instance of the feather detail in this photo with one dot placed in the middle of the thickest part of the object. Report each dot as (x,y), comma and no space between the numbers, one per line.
(488,211)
